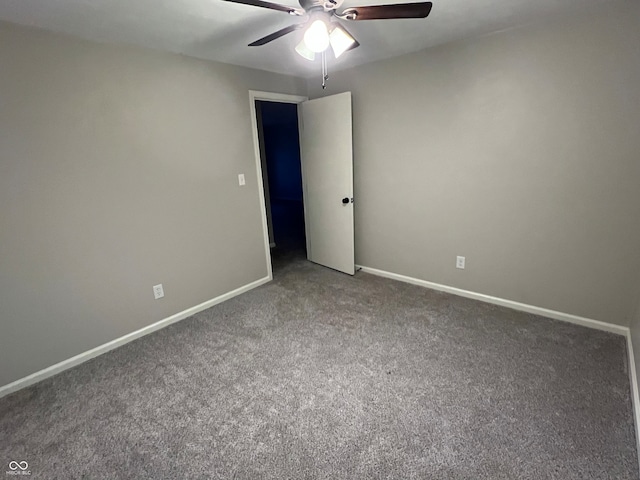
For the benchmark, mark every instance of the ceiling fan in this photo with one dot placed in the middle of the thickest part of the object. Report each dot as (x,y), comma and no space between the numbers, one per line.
(324,27)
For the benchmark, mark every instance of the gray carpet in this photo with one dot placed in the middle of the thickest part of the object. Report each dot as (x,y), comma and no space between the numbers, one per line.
(320,375)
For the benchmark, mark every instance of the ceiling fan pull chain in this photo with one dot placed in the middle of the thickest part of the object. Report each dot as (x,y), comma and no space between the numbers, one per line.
(325,70)
(322,59)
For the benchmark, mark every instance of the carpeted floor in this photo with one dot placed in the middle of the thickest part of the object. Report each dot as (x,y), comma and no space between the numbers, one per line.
(320,375)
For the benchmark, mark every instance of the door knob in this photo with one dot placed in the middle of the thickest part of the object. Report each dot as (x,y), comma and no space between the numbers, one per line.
(345,200)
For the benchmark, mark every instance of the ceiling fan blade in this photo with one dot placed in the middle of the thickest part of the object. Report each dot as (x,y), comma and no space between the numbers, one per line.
(278,34)
(380,12)
(271,6)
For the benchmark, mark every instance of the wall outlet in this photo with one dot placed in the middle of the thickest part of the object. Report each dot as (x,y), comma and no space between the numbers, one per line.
(158,291)
(241,180)
(460,262)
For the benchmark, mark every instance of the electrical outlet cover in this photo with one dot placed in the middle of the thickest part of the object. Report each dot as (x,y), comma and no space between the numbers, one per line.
(158,291)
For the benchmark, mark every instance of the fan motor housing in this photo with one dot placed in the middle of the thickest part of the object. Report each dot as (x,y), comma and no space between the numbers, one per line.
(326,5)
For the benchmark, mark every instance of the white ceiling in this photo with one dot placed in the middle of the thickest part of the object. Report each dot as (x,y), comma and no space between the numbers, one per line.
(218,30)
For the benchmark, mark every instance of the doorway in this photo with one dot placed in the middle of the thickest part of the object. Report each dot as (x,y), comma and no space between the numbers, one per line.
(279,143)
(306,186)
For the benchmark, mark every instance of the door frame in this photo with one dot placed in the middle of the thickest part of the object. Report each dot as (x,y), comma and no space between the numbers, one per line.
(269,97)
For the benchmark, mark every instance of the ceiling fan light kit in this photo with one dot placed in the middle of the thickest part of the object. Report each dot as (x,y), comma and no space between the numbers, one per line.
(324,29)
(339,39)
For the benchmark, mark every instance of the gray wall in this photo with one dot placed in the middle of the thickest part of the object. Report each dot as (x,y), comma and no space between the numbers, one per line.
(519,150)
(118,171)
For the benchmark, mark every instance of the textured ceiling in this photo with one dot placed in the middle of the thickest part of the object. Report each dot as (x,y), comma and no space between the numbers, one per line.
(217,30)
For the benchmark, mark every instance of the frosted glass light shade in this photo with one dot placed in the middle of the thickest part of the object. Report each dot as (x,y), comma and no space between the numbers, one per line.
(316,37)
(304,51)
(341,41)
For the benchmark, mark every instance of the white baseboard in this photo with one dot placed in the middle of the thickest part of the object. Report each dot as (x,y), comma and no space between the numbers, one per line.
(635,395)
(94,352)
(523,307)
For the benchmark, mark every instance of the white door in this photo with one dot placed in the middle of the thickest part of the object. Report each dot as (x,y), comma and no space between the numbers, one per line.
(327,175)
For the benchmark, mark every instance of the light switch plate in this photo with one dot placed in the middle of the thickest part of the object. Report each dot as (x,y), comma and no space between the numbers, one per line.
(241,180)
